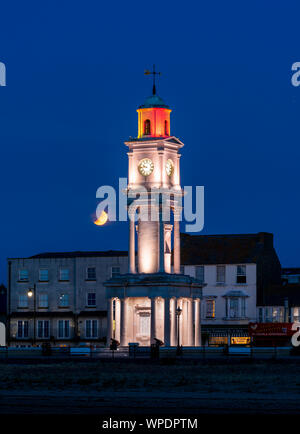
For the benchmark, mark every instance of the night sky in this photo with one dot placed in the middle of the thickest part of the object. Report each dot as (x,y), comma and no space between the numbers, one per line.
(74,81)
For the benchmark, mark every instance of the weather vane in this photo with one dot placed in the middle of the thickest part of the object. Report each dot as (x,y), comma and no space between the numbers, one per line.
(154,73)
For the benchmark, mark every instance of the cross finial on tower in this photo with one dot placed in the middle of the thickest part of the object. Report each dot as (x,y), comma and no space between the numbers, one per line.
(154,73)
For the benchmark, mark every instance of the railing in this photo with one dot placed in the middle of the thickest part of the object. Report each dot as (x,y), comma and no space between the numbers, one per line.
(200,353)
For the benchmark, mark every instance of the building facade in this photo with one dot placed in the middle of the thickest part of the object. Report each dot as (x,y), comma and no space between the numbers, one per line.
(281,303)
(71,306)
(237,271)
(60,297)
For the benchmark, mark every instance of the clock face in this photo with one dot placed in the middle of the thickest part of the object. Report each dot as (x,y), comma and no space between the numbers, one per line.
(169,167)
(146,166)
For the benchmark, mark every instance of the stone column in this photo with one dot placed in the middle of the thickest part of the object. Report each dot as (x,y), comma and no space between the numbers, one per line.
(109,321)
(173,322)
(192,321)
(176,246)
(153,320)
(189,322)
(185,323)
(148,240)
(176,305)
(167,322)
(117,320)
(162,167)
(180,304)
(181,323)
(123,314)
(197,323)
(132,245)
(161,240)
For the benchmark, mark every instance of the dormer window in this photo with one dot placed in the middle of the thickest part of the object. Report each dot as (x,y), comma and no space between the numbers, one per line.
(166,128)
(147,127)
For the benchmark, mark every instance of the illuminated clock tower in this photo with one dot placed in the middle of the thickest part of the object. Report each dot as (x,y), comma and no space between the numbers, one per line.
(154,298)
(154,166)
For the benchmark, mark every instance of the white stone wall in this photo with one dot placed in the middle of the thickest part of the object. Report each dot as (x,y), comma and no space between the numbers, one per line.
(217,292)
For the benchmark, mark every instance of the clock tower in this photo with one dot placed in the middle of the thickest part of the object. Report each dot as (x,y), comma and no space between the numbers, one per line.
(154,300)
(154,176)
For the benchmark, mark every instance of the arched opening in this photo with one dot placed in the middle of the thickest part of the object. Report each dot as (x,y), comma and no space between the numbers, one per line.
(147,127)
(166,128)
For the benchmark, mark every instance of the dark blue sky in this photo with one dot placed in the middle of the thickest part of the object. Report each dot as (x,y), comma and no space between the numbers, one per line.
(75,78)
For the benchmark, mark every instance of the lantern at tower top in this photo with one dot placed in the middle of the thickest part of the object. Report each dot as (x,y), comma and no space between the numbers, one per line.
(153,115)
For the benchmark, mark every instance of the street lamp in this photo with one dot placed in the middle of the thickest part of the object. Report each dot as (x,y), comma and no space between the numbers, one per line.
(32,293)
(178,313)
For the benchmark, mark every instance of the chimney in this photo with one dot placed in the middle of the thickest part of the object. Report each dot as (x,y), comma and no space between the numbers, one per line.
(266,239)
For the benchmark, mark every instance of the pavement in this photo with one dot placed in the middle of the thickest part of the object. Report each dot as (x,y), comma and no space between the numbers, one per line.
(143,403)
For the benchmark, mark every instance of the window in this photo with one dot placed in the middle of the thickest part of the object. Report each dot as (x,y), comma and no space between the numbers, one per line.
(63,328)
(274,314)
(64,274)
(147,127)
(91,273)
(23,275)
(241,274)
(268,314)
(296,314)
(115,271)
(220,273)
(166,128)
(43,329)
(43,275)
(91,299)
(144,325)
(91,328)
(22,329)
(181,269)
(200,273)
(233,307)
(64,300)
(236,307)
(210,309)
(23,300)
(43,300)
